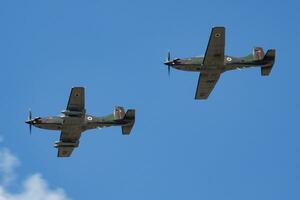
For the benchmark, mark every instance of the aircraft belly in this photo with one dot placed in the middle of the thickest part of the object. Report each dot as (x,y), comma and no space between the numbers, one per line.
(50,126)
(193,68)
(73,123)
(233,66)
(98,125)
(103,124)
(212,69)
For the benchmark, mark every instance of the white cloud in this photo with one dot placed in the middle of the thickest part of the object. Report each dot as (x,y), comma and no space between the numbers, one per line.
(8,163)
(33,188)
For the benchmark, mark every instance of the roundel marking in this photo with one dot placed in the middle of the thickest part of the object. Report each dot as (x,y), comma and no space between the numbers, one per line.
(89,118)
(217,35)
(229,59)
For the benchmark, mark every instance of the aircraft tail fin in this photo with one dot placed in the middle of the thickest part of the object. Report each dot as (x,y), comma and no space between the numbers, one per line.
(269,58)
(258,53)
(119,113)
(130,117)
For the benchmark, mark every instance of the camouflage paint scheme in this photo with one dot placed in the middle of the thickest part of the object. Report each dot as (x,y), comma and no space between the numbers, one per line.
(215,62)
(74,120)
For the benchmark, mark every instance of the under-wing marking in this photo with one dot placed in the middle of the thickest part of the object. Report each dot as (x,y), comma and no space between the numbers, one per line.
(214,55)
(76,100)
(206,84)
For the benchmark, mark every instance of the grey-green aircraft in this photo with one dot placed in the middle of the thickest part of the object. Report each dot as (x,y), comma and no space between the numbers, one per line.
(214,62)
(74,120)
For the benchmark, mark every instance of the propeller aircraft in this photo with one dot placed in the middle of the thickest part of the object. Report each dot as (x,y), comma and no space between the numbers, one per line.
(74,120)
(214,62)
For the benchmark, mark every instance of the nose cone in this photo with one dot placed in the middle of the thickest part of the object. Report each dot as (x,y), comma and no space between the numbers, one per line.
(29,122)
(36,120)
(169,63)
(172,62)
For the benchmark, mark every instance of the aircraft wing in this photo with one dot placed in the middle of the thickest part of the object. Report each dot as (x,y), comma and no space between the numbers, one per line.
(214,55)
(65,151)
(206,84)
(69,137)
(76,100)
(68,141)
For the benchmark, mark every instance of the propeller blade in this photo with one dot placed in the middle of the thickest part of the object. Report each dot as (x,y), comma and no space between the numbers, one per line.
(29,119)
(30,114)
(169,59)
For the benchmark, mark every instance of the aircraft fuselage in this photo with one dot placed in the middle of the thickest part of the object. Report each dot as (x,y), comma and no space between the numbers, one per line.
(83,123)
(195,64)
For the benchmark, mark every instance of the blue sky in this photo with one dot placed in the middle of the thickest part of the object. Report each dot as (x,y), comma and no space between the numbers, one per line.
(242,143)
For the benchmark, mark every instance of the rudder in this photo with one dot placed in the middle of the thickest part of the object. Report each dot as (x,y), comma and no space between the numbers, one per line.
(130,117)
(269,58)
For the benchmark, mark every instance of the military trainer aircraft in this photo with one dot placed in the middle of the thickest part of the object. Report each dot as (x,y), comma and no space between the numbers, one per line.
(215,62)
(74,121)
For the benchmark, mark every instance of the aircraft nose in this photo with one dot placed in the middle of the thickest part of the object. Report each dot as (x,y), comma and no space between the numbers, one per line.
(172,62)
(168,63)
(33,121)
(29,122)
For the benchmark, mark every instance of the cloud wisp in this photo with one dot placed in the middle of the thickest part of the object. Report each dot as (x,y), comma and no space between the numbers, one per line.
(8,163)
(33,188)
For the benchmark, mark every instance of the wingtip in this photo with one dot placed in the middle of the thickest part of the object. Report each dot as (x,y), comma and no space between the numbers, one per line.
(274,50)
(78,87)
(218,27)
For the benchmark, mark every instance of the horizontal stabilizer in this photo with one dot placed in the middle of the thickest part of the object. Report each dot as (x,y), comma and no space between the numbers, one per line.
(130,117)
(269,58)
